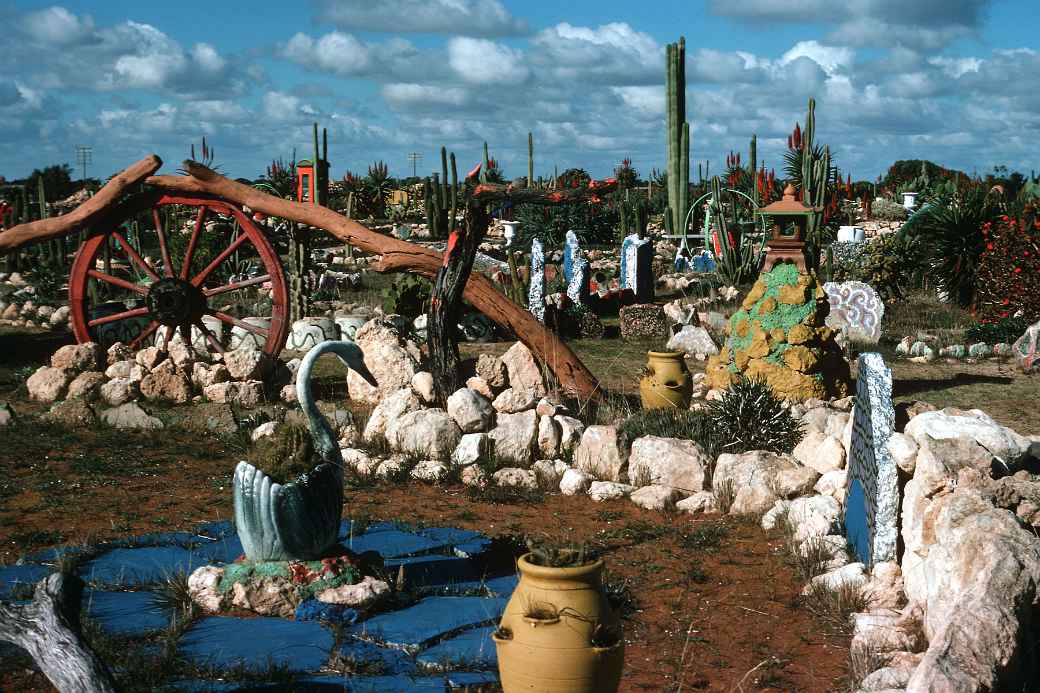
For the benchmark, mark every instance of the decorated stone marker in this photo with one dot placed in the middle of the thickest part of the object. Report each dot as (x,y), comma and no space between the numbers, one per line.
(637,255)
(855,310)
(571,252)
(536,290)
(578,283)
(872,491)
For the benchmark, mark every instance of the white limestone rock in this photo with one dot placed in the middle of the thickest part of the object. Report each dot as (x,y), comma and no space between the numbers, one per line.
(428,433)
(599,453)
(515,437)
(609,490)
(680,464)
(574,482)
(472,412)
(656,497)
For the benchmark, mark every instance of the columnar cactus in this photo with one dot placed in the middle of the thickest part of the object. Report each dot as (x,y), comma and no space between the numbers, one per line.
(530,160)
(678,138)
(442,198)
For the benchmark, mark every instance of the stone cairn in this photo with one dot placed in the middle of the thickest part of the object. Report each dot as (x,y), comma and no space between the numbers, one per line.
(779,335)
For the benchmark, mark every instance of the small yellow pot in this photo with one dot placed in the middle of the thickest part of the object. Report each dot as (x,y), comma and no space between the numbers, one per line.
(667,383)
(546,635)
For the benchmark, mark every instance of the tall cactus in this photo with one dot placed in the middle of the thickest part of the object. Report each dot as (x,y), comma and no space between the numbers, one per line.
(300,238)
(634,214)
(530,160)
(484,168)
(816,176)
(678,138)
(753,168)
(442,198)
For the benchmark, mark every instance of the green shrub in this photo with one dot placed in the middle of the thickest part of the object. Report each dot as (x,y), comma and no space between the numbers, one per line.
(749,416)
(952,242)
(286,454)
(1008,279)
(996,332)
(891,264)
(887,210)
(670,423)
(407,296)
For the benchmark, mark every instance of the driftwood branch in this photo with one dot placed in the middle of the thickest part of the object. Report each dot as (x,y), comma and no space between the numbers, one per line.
(446,297)
(84,215)
(398,256)
(494,192)
(48,629)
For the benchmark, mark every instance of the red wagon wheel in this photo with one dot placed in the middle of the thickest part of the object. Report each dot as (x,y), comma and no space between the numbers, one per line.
(116,288)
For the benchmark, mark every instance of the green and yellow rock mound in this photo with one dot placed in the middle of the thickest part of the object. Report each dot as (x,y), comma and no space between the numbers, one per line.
(779,336)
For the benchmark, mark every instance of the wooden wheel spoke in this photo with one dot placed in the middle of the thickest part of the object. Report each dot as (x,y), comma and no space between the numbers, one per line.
(210,337)
(189,254)
(134,256)
(163,249)
(134,313)
(145,334)
(109,279)
(224,255)
(231,320)
(235,286)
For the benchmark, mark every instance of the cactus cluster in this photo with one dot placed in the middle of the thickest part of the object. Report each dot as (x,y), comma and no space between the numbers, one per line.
(678,175)
(635,215)
(442,198)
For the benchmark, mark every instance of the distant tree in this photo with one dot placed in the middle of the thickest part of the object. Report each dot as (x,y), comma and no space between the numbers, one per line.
(627,176)
(57,181)
(906,170)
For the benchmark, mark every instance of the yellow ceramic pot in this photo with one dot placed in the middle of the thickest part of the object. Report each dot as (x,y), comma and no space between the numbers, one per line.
(558,633)
(667,383)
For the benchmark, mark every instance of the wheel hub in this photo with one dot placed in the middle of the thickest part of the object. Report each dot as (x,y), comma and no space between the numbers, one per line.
(175,302)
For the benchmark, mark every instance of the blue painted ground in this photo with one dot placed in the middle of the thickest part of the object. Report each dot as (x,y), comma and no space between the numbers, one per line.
(440,641)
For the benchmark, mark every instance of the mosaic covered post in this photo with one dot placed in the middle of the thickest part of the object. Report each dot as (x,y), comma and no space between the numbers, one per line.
(571,251)
(637,255)
(536,290)
(872,491)
(578,285)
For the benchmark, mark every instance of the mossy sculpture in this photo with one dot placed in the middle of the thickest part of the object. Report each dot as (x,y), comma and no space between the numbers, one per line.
(299,520)
(779,336)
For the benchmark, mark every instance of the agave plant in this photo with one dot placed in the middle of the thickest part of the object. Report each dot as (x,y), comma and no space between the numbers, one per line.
(951,232)
(749,416)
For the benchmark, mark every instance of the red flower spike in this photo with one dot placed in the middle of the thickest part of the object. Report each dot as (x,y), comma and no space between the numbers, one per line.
(474,171)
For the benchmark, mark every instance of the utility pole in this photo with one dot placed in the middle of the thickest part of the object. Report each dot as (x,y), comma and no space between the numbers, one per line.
(83,155)
(414,157)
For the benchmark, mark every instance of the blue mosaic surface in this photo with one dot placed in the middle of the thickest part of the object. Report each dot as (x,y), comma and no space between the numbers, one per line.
(413,648)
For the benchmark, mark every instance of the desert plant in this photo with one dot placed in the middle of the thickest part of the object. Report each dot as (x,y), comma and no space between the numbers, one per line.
(951,231)
(548,554)
(670,423)
(286,454)
(892,264)
(887,210)
(678,138)
(407,296)
(749,416)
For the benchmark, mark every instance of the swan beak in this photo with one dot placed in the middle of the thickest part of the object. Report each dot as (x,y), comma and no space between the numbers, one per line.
(362,370)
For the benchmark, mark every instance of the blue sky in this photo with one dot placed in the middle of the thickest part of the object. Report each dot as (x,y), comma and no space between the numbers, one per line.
(955,81)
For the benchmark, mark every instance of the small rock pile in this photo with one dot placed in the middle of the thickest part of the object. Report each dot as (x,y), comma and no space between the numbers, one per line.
(85,372)
(29,314)
(924,348)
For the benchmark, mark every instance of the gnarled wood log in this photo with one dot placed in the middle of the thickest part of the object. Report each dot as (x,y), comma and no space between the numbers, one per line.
(48,629)
(400,256)
(84,215)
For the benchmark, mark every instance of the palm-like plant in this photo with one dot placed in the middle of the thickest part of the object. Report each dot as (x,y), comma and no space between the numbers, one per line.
(379,186)
(951,231)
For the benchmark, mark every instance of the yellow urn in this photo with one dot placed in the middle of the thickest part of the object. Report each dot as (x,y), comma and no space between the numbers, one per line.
(667,383)
(558,633)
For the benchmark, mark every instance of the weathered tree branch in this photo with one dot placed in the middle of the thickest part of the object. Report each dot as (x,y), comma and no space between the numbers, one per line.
(399,256)
(48,629)
(84,215)
(448,286)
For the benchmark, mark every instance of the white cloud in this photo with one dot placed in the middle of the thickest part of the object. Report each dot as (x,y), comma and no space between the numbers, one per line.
(404,94)
(487,18)
(831,58)
(207,58)
(614,52)
(56,26)
(480,61)
(335,52)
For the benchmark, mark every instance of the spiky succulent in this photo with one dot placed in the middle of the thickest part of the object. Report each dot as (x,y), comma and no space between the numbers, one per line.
(749,416)
(551,555)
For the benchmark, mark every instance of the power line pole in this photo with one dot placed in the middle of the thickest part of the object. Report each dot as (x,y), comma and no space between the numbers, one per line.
(83,156)
(414,157)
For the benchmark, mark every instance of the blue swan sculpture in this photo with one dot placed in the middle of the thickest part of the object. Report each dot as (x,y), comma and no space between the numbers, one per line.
(298,520)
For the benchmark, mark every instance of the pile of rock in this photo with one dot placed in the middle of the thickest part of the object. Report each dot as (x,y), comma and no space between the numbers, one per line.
(87,373)
(874,228)
(28,314)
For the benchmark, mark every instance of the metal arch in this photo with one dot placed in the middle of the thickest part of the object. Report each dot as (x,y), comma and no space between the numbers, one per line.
(699,200)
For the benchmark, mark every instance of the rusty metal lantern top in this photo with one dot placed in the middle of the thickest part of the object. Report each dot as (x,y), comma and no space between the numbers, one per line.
(783,247)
